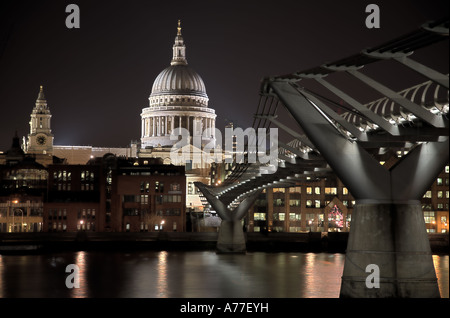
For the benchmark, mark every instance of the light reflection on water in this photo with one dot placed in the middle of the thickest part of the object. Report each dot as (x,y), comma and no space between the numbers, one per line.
(441,268)
(164,274)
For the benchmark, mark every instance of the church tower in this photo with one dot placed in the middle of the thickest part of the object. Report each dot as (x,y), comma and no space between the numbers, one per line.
(40,138)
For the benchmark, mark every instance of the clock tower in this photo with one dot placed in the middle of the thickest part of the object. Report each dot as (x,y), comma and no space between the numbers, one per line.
(40,138)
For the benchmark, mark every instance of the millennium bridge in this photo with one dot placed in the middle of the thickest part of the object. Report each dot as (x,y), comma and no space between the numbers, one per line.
(348,138)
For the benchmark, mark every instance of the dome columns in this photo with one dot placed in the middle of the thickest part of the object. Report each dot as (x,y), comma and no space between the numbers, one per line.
(158,126)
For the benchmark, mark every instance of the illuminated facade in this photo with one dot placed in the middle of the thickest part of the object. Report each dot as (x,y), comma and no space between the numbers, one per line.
(327,205)
(23,183)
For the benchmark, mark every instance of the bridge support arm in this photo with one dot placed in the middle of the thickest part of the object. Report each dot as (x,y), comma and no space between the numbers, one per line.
(231,237)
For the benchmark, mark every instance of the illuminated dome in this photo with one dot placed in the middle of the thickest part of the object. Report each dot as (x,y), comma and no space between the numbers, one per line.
(178,84)
(179,79)
(178,100)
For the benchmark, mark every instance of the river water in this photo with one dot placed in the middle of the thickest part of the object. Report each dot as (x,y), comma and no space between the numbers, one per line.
(192,274)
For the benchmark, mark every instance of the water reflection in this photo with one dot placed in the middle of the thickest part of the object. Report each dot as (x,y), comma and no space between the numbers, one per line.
(80,261)
(162,275)
(165,274)
(441,268)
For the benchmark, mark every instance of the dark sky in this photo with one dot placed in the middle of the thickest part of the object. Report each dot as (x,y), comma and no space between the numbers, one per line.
(98,78)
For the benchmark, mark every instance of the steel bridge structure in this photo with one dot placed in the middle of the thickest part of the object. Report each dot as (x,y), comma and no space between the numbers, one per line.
(348,139)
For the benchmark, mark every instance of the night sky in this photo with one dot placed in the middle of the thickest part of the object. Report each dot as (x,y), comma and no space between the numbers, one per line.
(98,78)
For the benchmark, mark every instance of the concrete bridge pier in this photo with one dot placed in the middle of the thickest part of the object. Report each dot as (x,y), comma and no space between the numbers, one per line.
(388,253)
(231,237)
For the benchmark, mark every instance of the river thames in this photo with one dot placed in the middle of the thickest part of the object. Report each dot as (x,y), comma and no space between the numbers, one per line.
(179,274)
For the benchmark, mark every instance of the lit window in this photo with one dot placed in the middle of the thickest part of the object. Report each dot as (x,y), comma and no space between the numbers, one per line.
(259,216)
(429,217)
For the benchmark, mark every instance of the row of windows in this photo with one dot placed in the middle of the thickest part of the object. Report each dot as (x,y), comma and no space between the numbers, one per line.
(63,175)
(145,226)
(439,206)
(145,212)
(159,187)
(297,203)
(170,198)
(440,194)
(311,190)
(62,226)
(144,198)
(429,217)
(171,99)
(61,214)
(148,173)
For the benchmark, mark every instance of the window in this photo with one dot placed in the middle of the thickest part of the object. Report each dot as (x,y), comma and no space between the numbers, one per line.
(278,202)
(294,202)
(281,190)
(295,190)
(317,204)
(295,216)
(344,191)
(145,187)
(259,216)
(440,194)
(144,198)
(429,216)
(439,181)
(317,190)
(310,218)
(309,203)
(446,169)
(427,194)
(308,190)
(168,199)
(175,187)
(129,198)
(331,191)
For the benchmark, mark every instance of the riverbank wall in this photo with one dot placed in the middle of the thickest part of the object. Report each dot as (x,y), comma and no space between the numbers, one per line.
(334,242)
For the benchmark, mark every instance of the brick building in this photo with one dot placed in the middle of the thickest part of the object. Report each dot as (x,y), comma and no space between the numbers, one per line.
(116,195)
